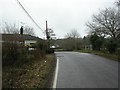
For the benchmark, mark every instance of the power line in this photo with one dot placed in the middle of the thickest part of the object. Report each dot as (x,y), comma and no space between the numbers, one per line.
(28,14)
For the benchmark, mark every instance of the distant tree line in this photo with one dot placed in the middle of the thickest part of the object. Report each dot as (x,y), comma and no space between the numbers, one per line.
(104,33)
(105,30)
(71,41)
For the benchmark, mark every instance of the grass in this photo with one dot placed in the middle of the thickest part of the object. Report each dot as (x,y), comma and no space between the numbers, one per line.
(59,50)
(32,75)
(100,53)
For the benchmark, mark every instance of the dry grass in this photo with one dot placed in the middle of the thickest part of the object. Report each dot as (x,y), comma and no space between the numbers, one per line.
(107,55)
(31,75)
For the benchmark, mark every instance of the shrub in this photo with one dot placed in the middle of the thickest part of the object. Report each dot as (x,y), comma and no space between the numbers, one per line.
(111,45)
(13,53)
(118,53)
(9,53)
(96,42)
(44,48)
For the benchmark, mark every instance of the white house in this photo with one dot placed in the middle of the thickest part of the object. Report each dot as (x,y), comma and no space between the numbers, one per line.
(27,40)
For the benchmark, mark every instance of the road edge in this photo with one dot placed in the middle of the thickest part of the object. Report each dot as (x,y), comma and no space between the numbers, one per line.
(56,74)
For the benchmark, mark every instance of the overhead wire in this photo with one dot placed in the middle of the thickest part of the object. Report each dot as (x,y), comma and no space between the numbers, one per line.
(29,15)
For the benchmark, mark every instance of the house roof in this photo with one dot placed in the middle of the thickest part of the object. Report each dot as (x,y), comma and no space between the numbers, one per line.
(18,37)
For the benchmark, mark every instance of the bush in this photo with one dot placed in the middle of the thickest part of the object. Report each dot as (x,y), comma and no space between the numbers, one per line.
(96,42)
(13,53)
(111,45)
(50,51)
(9,53)
(44,48)
(118,53)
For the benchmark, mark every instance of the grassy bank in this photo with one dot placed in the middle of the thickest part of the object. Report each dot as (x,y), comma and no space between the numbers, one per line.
(100,53)
(36,74)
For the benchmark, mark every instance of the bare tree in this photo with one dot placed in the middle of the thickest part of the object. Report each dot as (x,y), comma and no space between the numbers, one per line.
(10,29)
(105,23)
(28,30)
(75,34)
(72,34)
(118,3)
(14,29)
(73,38)
(68,35)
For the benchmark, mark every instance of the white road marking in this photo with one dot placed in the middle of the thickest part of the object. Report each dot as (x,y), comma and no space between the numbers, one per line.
(56,74)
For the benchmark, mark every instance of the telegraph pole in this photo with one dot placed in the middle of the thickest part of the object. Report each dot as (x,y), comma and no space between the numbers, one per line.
(47,33)
(48,37)
(46,30)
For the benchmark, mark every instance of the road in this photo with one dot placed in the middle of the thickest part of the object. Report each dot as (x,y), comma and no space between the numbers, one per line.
(0,67)
(82,70)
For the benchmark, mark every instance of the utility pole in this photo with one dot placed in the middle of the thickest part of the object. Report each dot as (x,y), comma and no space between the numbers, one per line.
(47,32)
(48,37)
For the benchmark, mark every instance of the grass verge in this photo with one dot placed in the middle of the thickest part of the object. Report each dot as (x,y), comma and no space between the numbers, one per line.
(100,53)
(36,74)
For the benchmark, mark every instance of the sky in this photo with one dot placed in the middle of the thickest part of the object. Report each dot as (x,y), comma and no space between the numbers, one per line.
(62,15)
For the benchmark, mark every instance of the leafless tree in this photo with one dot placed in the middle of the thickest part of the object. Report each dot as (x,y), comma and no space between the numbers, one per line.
(72,37)
(15,29)
(72,34)
(10,28)
(28,30)
(106,23)
(118,2)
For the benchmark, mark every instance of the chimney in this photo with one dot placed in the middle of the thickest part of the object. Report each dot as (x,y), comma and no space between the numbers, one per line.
(21,30)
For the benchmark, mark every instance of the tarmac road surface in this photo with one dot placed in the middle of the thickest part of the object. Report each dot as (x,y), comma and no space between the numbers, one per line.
(82,70)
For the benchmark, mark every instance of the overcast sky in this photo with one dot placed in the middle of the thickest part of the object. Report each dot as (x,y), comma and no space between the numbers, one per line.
(62,15)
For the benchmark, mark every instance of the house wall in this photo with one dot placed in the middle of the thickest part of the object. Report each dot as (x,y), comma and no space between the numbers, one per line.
(30,42)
